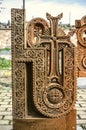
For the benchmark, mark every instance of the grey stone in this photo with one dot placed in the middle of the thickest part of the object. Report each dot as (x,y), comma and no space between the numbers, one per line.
(8,117)
(83,116)
(79,122)
(84,127)
(9,109)
(6,127)
(80,112)
(1,117)
(2,109)
(83,105)
(5,113)
(6,106)
(4,122)
(3,103)
(79,128)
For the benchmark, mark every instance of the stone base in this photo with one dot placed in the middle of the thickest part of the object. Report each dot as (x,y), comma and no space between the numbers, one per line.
(67,122)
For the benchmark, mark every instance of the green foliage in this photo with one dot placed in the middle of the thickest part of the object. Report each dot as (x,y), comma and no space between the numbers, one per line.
(5,49)
(4,63)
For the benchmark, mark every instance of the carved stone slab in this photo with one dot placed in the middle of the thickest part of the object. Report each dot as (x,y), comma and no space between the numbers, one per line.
(44,82)
(81,48)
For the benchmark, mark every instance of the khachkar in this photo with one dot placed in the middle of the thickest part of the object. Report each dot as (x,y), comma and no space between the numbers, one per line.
(81,46)
(44,82)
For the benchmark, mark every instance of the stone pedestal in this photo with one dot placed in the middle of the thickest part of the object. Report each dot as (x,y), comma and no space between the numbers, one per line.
(67,122)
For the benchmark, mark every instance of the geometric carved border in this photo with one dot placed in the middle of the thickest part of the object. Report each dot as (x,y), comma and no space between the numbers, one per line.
(17,39)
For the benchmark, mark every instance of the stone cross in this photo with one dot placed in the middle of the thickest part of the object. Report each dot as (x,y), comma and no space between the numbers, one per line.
(43,98)
(53,39)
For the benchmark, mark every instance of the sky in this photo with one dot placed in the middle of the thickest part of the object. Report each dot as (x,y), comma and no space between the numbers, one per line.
(72,9)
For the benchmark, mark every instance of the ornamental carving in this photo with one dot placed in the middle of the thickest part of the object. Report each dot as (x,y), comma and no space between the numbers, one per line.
(81,46)
(82,36)
(43,67)
(84,62)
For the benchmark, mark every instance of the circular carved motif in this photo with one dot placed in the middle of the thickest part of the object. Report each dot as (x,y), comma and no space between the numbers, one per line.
(82,36)
(84,62)
(55,95)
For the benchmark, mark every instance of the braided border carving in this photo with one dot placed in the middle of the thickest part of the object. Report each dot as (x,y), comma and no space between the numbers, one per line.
(18,71)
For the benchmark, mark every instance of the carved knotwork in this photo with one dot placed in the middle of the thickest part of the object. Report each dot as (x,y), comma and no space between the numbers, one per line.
(81,41)
(82,36)
(54,79)
(18,68)
(50,56)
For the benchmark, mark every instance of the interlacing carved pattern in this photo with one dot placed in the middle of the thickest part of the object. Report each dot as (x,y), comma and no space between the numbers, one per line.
(18,73)
(82,36)
(62,46)
(50,97)
(39,88)
(19,90)
(19,27)
(37,56)
(55,97)
(18,31)
(69,68)
(81,48)
(81,58)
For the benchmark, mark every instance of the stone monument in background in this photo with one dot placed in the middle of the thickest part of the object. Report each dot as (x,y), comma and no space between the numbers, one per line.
(81,46)
(43,74)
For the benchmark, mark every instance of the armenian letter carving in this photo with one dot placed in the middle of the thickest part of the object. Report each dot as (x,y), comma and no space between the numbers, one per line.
(44,82)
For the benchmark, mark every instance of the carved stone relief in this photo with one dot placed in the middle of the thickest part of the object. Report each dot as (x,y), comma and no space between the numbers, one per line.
(81,48)
(18,67)
(35,28)
(50,89)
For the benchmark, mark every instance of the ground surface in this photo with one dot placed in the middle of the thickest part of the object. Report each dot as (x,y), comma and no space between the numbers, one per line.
(6,103)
